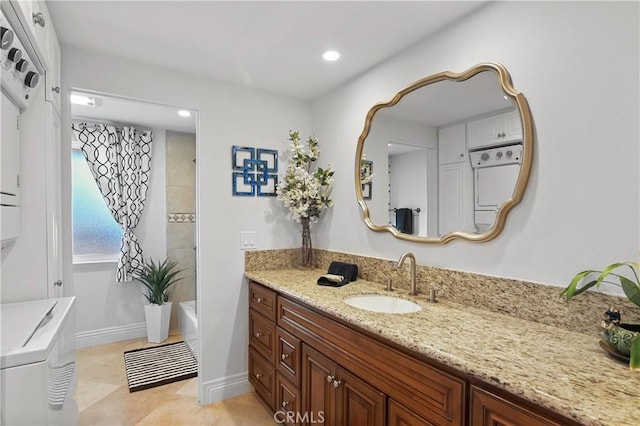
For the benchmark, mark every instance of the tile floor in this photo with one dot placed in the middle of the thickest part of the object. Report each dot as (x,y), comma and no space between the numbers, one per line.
(103,396)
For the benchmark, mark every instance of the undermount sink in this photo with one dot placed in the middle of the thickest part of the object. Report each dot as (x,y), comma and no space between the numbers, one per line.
(383,304)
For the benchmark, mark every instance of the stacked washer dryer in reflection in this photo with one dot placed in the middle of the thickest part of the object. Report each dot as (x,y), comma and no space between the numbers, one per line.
(19,78)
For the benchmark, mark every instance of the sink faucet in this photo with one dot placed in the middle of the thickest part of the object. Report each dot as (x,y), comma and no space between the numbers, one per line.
(404,257)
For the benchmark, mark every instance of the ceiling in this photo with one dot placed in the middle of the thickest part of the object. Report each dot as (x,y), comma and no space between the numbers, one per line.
(120,111)
(275,46)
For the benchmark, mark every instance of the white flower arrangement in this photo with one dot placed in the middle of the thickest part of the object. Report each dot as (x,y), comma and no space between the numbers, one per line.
(305,192)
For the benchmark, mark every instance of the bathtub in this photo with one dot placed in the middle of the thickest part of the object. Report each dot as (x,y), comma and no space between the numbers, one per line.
(188,325)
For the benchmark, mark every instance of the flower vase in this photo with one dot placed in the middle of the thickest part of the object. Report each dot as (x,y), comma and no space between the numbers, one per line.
(306,250)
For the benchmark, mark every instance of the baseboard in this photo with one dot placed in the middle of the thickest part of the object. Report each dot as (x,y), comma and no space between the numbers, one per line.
(224,388)
(110,335)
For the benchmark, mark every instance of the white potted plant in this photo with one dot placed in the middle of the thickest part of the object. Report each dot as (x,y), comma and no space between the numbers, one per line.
(157,278)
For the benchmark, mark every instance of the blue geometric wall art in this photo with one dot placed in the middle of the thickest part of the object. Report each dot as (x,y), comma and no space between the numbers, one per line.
(255,171)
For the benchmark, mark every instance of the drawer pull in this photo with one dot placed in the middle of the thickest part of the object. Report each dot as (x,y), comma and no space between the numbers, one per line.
(259,300)
(285,404)
(258,375)
(284,356)
(258,334)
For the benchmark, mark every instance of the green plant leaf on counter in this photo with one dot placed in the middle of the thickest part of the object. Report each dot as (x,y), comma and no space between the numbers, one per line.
(573,290)
(630,286)
(631,290)
(634,361)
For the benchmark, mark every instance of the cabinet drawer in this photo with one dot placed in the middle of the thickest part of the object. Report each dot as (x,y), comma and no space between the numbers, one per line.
(262,335)
(490,409)
(262,300)
(288,356)
(262,377)
(288,405)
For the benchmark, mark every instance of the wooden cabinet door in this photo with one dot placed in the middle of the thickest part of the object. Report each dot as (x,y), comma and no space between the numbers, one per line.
(357,402)
(332,395)
(488,409)
(318,393)
(402,416)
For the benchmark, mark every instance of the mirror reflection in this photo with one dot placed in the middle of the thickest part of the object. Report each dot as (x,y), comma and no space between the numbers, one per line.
(448,156)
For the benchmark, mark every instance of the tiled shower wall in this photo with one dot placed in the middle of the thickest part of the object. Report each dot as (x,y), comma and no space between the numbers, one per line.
(181,217)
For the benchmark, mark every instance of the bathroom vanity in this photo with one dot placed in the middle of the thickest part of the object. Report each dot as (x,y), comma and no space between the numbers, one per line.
(311,353)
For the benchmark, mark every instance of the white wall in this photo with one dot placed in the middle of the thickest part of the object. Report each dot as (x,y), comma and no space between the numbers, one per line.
(577,64)
(227,115)
(106,310)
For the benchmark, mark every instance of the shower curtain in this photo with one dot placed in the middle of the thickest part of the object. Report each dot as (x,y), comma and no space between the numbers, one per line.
(120,162)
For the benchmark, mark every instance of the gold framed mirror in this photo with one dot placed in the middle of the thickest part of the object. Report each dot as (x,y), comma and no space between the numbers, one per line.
(452,155)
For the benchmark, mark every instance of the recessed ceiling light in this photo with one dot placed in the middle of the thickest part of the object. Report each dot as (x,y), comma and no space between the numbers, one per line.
(184,113)
(331,55)
(82,100)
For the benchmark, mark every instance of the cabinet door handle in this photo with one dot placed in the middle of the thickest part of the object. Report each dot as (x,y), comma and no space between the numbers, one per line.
(258,334)
(38,18)
(330,379)
(258,375)
(58,283)
(336,384)
(284,404)
(56,89)
(284,356)
(260,299)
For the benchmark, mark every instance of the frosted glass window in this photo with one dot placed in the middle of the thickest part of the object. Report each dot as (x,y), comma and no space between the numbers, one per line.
(96,235)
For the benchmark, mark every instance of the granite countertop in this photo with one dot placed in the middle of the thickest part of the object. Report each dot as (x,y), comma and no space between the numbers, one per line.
(564,371)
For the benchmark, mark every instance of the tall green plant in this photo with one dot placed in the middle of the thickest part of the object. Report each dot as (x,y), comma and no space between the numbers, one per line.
(157,278)
(631,288)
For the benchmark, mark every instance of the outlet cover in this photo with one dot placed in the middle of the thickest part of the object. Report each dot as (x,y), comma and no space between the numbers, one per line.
(247,240)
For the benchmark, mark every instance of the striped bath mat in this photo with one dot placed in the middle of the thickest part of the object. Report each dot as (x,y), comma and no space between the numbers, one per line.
(159,365)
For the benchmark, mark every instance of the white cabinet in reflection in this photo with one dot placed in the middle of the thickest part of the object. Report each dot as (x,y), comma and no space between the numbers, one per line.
(450,197)
(455,180)
(494,130)
(451,144)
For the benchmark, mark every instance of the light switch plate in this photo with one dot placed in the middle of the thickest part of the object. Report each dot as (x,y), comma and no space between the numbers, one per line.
(247,240)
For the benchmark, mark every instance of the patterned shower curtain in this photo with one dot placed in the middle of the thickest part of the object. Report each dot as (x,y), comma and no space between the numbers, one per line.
(120,161)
